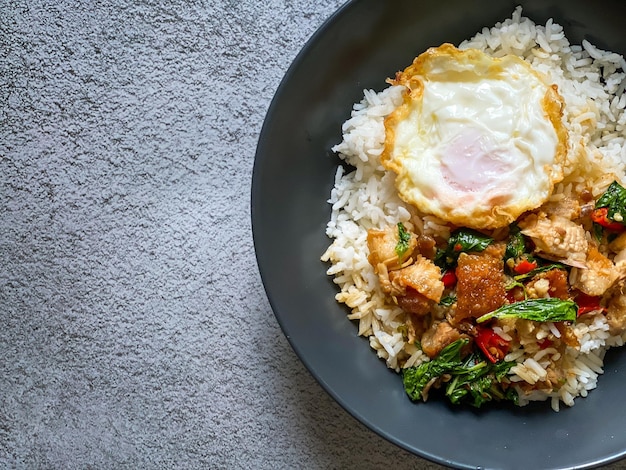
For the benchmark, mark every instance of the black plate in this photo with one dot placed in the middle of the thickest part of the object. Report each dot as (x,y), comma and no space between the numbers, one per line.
(362,44)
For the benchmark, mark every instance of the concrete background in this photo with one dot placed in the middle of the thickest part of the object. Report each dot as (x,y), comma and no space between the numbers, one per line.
(134,329)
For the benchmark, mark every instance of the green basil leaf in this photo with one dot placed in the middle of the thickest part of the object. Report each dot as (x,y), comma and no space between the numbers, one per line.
(462,241)
(415,379)
(540,310)
(614,198)
(474,380)
(478,381)
(516,244)
(404,238)
(447,301)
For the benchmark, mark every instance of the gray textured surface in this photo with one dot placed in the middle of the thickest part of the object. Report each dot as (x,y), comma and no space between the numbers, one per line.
(135,331)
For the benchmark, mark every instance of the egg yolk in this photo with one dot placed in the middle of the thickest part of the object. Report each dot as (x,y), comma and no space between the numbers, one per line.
(471,163)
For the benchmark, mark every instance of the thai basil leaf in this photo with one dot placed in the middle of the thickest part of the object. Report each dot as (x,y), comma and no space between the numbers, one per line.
(473,380)
(614,198)
(471,370)
(403,240)
(447,301)
(481,391)
(598,231)
(540,310)
(488,388)
(479,381)
(463,241)
(516,245)
(415,379)
(515,283)
(500,369)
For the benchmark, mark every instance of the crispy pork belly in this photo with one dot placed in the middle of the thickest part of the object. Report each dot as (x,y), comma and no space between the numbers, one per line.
(598,276)
(480,284)
(557,238)
(437,337)
(382,248)
(423,276)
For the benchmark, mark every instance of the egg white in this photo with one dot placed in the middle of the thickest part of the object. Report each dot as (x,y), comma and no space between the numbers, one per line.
(478,140)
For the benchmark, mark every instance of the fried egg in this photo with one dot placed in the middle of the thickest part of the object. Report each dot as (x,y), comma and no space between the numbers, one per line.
(477,140)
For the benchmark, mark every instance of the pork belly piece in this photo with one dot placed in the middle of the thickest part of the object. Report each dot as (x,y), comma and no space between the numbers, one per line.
(383,254)
(412,279)
(382,247)
(480,285)
(437,337)
(599,275)
(423,276)
(414,302)
(567,208)
(557,238)
(560,239)
(616,313)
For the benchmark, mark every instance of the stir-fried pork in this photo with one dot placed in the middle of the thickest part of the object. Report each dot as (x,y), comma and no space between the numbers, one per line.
(557,238)
(414,302)
(382,247)
(599,275)
(423,276)
(616,313)
(437,337)
(567,208)
(414,283)
(480,283)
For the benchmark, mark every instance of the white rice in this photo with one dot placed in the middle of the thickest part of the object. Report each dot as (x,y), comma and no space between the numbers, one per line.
(591,82)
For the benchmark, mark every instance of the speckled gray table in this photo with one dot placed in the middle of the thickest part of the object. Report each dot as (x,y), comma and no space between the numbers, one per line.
(134,329)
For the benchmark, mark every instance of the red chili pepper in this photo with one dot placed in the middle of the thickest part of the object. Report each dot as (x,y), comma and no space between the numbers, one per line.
(494,346)
(545,343)
(448,279)
(525,266)
(588,303)
(515,295)
(601,216)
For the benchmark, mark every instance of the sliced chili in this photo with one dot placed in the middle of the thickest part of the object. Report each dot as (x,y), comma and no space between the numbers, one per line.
(525,266)
(449,279)
(545,343)
(601,217)
(588,303)
(494,346)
